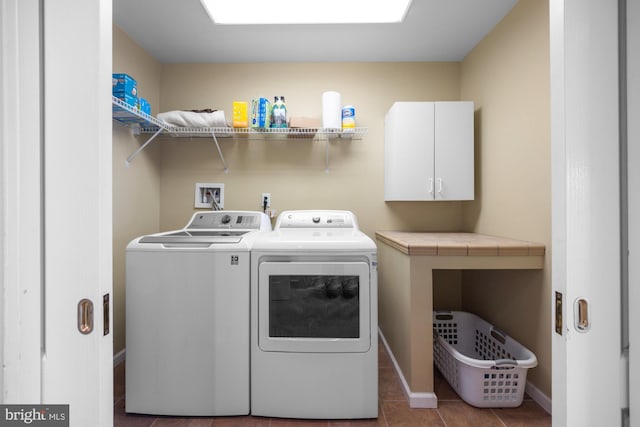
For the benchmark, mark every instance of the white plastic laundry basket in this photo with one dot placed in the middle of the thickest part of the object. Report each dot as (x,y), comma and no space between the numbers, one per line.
(486,367)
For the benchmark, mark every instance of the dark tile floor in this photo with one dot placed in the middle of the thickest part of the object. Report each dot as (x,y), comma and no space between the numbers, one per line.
(394,410)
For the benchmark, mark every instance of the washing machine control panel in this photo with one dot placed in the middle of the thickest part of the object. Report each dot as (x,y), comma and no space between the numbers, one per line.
(226,220)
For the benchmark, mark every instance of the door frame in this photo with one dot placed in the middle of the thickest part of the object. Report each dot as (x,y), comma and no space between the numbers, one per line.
(633,175)
(21,237)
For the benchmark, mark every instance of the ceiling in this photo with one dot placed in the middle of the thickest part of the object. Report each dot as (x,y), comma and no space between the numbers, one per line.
(180,31)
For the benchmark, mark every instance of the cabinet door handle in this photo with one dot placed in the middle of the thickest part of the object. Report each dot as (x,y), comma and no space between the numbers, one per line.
(430,185)
(439,185)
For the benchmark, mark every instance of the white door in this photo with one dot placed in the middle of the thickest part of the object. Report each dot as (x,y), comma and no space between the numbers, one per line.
(58,140)
(453,151)
(78,367)
(589,379)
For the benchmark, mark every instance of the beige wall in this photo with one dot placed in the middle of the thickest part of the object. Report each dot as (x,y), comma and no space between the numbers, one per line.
(136,189)
(507,76)
(293,171)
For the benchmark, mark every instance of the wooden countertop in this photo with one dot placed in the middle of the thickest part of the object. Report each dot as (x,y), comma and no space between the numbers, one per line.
(458,244)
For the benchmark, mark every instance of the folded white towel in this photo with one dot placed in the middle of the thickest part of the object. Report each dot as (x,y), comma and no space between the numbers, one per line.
(190,119)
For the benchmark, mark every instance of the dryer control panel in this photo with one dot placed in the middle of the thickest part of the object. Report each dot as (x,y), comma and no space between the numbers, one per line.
(317,219)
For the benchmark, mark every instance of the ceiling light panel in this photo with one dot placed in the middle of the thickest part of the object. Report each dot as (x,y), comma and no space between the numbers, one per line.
(243,12)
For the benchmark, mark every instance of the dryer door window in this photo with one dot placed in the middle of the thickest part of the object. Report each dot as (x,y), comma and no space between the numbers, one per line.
(315,307)
(305,306)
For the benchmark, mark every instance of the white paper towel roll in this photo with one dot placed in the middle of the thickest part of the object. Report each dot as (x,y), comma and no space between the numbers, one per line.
(331,110)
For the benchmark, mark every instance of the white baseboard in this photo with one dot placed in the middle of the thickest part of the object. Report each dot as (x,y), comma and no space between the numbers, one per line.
(430,400)
(416,400)
(539,397)
(119,357)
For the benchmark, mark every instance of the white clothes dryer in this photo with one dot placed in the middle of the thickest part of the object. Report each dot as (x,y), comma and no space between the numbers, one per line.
(187,308)
(314,347)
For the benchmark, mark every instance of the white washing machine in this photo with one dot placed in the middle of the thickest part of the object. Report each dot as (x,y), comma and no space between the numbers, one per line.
(187,324)
(314,347)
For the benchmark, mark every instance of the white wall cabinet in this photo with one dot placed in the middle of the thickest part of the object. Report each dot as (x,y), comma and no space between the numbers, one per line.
(429,151)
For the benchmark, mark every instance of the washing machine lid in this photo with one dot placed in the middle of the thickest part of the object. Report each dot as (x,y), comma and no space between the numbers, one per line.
(196,237)
(213,227)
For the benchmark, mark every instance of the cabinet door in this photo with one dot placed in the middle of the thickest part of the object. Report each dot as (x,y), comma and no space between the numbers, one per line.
(454,176)
(409,152)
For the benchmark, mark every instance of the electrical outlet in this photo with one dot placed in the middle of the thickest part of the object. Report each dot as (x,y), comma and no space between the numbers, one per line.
(267,197)
(207,193)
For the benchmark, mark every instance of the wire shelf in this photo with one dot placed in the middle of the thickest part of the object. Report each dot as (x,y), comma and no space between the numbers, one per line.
(261,133)
(143,123)
(130,115)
